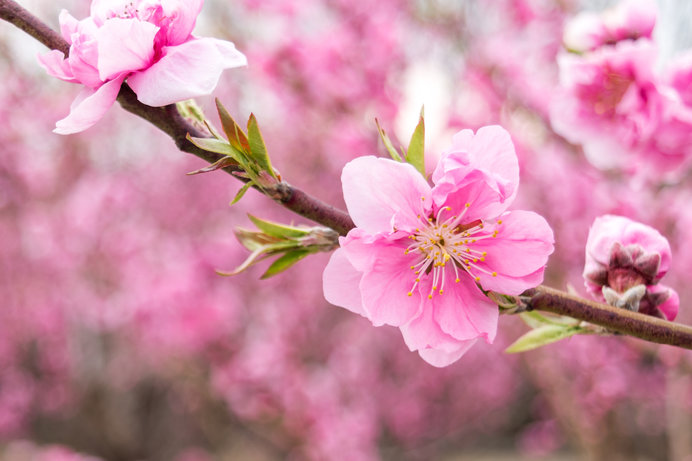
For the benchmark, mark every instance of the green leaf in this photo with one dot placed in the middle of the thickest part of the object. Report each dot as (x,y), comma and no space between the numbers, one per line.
(235,134)
(257,148)
(241,192)
(537,320)
(284,262)
(543,335)
(218,146)
(277,230)
(387,142)
(416,147)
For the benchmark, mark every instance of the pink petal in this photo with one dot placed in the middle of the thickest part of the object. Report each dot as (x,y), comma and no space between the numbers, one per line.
(55,64)
(464,312)
(608,229)
(484,200)
(183,15)
(670,307)
(103,10)
(442,358)
(340,282)
(185,71)
(89,107)
(387,280)
(68,25)
(124,45)
(380,193)
(423,332)
(523,243)
(513,286)
(488,154)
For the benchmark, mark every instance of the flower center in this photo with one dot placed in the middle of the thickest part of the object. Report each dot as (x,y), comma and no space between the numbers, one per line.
(450,242)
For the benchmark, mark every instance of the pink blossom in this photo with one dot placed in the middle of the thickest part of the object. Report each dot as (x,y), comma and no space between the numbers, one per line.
(621,254)
(612,103)
(418,253)
(149,44)
(629,20)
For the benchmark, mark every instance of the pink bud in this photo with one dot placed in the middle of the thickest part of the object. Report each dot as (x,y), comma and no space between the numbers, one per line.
(622,254)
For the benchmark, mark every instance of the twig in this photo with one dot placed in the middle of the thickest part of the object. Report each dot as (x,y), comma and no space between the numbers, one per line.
(168,120)
(641,326)
(541,298)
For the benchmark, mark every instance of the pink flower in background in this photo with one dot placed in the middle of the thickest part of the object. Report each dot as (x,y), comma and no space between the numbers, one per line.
(621,254)
(418,253)
(612,103)
(149,43)
(629,20)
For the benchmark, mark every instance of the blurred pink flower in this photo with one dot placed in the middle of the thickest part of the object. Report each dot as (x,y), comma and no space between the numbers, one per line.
(621,254)
(149,43)
(418,253)
(612,103)
(628,20)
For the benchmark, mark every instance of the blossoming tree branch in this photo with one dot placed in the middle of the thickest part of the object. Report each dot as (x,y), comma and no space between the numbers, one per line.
(438,254)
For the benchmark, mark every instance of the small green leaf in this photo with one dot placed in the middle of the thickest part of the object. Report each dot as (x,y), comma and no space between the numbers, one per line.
(415,152)
(387,142)
(257,148)
(235,134)
(537,320)
(241,192)
(278,230)
(284,262)
(218,146)
(543,335)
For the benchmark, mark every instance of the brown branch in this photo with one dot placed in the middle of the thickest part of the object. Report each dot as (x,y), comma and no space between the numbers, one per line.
(641,326)
(168,120)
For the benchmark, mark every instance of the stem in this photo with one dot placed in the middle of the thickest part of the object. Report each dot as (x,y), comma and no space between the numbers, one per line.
(641,326)
(168,120)
(542,298)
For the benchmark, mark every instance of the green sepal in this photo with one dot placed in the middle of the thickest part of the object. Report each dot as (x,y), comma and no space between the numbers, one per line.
(241,192)
(415,154)
(544,335)
(387,142)
(257,148)
(284,262)
(218,146)
(236,136)
(277,230)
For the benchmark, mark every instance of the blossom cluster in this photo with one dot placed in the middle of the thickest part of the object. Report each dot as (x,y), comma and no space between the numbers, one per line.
(420,255)
(146,43)
(613,103)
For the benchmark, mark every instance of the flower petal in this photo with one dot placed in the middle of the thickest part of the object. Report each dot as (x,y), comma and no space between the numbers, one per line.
(464,312)
(55,64)
(340,282)
(442,357)
(124,45)
(387,280)
(182,15)
(381,193)
(523,243)
(185,71)
(489,152)
(433,345)
(89,107)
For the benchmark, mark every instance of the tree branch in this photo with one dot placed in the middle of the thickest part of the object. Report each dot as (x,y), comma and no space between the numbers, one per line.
(168,120)
(542,298)
(641,326)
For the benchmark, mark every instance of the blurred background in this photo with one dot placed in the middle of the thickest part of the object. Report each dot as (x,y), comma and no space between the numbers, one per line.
(119,342)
